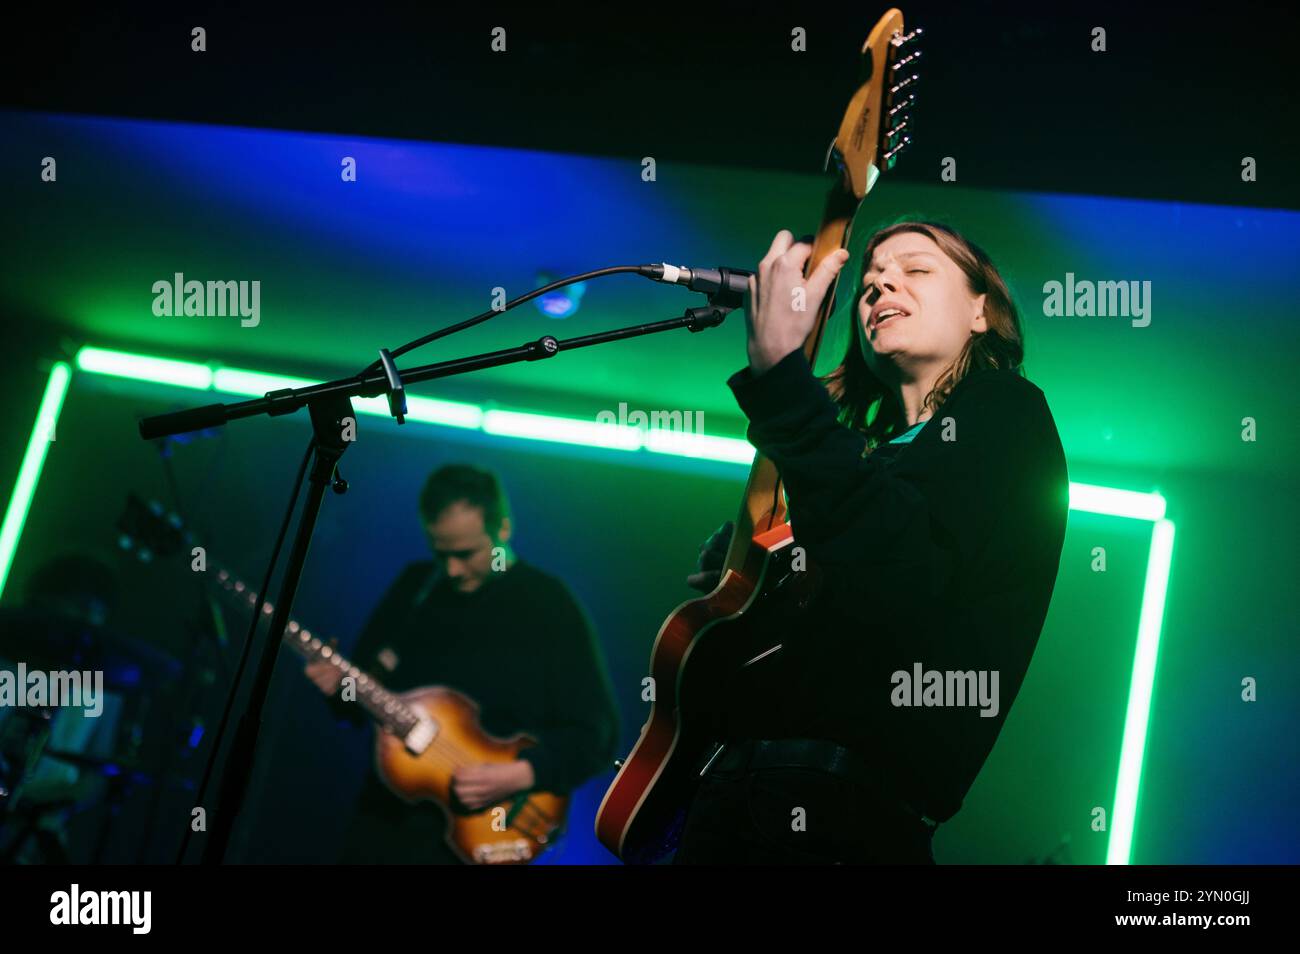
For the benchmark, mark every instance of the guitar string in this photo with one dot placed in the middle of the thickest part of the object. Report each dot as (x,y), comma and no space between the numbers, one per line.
(451,755)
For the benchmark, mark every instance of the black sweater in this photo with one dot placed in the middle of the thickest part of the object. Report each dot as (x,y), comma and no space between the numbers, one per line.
(942,552)
(520,646)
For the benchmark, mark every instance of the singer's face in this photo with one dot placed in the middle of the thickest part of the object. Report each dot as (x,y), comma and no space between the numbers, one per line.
(462,545)
(911,271)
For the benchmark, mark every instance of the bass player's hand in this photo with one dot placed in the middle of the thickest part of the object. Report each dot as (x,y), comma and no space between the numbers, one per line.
(326,675)
(478,786)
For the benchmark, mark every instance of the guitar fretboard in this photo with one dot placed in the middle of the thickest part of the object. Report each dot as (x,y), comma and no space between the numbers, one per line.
(385,707)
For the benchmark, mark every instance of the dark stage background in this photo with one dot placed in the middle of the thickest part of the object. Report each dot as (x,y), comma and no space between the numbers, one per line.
(476,171)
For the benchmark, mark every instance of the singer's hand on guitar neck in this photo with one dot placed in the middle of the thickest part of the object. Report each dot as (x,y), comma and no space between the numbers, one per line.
(712,557)
(775,325)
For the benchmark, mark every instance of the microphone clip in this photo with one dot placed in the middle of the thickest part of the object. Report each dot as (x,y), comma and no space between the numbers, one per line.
(395,390)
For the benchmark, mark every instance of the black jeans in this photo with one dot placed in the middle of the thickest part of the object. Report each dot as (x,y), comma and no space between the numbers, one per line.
(795,816)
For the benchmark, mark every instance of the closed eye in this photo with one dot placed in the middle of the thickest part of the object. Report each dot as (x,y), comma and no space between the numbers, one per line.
(457,554)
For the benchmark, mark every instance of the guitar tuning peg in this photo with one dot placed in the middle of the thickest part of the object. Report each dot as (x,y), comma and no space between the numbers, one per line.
(910,58)
(905,84)
(905,105)
(892,155)
(898,116)
(909,38)
(891,134)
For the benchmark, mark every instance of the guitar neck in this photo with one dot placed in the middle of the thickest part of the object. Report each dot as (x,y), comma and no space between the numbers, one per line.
(385,707)
(876,127)
(764,505)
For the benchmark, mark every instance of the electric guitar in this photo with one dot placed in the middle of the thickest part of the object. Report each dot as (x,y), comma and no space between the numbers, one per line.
(706,641)
(421,737)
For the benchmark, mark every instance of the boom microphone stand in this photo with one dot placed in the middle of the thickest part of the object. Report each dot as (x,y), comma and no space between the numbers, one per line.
(330,407)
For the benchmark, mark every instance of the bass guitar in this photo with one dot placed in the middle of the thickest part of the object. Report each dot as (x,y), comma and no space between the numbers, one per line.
(422,737)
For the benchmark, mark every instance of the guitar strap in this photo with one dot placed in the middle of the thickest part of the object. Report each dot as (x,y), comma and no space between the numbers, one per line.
(423,592)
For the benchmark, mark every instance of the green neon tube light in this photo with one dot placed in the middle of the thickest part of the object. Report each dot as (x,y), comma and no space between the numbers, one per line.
(119,364)
(1123,818)
(1088,498)
(29,472)
(1116,503)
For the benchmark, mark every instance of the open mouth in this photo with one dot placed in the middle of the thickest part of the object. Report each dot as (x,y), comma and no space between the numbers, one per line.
(886,315)
(886,311)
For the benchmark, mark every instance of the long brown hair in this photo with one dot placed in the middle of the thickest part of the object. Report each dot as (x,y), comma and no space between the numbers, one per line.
(866,403)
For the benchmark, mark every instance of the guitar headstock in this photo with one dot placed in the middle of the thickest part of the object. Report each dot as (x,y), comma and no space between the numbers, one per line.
(877,124)
(147,531)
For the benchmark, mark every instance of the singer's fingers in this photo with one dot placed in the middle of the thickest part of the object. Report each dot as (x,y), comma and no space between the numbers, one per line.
(825,273)
(780,245)
(796,256)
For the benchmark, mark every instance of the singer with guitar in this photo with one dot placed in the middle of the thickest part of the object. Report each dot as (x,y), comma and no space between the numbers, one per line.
(935,525)
(871,613)
(501,632)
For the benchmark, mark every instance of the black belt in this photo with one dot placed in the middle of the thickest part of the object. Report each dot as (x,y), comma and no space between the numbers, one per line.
(753,755)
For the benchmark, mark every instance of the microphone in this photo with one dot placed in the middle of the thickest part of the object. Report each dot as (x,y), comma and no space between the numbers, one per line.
(709,280)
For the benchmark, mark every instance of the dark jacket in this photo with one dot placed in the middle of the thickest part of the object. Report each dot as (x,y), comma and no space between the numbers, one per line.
(520,646)
(942,553)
